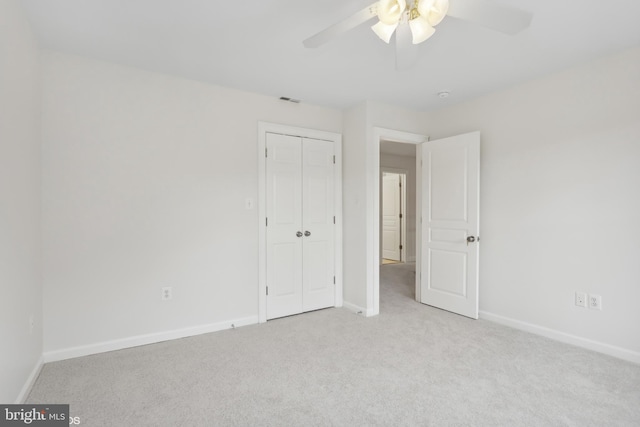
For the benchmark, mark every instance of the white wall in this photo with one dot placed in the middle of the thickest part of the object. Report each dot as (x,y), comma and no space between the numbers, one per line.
(408,164)
(145,179)
(395,118)
(20,260)
(560,199)
(354,182)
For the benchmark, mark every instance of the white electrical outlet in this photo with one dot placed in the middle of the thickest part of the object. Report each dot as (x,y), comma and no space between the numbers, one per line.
(581,299)
(595,302)
(167,293)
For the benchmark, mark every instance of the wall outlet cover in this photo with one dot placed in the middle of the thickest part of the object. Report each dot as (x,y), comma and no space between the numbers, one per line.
(581,299)
(595,302)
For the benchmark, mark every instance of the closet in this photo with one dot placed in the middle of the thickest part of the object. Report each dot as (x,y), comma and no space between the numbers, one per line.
(300,224)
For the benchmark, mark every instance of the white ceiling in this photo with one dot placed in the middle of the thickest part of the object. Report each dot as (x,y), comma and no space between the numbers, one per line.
(257,46)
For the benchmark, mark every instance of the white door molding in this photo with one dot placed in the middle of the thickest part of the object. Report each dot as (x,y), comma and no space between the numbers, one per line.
(373,216)
(263,129)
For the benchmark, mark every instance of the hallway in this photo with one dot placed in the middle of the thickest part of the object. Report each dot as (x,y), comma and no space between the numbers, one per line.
(397,284)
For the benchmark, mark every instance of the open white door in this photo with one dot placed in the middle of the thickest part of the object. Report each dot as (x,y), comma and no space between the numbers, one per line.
(450,223)
(391,215)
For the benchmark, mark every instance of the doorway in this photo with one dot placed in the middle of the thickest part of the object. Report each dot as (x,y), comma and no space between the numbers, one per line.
(397,220)
(401,140)
(446,237)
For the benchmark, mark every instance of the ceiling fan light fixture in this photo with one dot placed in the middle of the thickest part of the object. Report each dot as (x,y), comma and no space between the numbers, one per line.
(384,31)
(424,6)
(421,30)
(433,10)
(390,11)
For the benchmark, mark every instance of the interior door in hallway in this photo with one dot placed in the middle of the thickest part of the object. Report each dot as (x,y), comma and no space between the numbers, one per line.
(391,216)
(450,223)
(299,232)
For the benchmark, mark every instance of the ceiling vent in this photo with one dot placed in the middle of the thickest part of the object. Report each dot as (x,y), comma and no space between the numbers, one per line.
(295,101)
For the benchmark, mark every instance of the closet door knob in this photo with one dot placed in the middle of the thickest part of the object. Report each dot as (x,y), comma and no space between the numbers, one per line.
(307,233)
(299,234)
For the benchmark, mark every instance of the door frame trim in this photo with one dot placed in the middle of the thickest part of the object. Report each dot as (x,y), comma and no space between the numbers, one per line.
(336,138)
(373,191)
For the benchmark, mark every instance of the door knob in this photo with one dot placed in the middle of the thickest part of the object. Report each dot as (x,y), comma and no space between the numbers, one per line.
(299,234)
(470,239)
(307,233)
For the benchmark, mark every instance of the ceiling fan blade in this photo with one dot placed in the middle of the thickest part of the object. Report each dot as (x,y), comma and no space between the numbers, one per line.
(341,27)
(406,52)
(491,15)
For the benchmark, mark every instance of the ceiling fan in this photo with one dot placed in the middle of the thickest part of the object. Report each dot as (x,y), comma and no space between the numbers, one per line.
(414,21)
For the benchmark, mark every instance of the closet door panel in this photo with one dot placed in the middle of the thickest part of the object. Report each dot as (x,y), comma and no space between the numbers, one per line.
(318,224)
(284,221)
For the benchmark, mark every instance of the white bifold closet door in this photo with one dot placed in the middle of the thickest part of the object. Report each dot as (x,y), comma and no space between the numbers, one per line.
(300,225)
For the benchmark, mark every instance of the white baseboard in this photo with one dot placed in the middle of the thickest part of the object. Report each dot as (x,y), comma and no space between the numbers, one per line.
(619,352)
(370,313)
(26,388)
(354,308)
(120,344)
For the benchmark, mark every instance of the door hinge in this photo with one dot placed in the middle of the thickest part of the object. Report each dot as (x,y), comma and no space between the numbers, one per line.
(400,183)
(334,280)
(334,219)
(400,247)
(334,160)
(267,290)
(400,216)
(265,151)
(266,222)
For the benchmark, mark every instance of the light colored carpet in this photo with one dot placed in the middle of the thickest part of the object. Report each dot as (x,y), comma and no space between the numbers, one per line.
(412,365)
